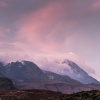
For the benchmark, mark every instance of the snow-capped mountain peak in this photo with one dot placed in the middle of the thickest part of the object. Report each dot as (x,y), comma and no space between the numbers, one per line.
(77,73)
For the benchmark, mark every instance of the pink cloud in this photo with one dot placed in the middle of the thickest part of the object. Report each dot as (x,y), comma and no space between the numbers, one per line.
(50,61)
(3,4)
(95,6)
(49,28)
(3,30)
(34,23)
(35,27)
(45,27)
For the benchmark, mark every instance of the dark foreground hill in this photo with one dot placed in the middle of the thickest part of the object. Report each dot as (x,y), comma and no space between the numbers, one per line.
(30,95)
(84,95)
(48,95)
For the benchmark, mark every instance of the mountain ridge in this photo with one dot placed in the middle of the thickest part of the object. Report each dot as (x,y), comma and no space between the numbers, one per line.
(80,74)
(27,75)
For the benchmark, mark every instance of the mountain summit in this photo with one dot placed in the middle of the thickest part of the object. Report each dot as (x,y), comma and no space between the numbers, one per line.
(77,73)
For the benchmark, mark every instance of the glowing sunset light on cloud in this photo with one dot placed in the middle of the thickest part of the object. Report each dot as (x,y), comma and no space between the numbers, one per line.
(3,4)
(51,28)
(95,6)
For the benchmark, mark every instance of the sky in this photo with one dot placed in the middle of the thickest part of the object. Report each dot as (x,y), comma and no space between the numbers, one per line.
(30,28)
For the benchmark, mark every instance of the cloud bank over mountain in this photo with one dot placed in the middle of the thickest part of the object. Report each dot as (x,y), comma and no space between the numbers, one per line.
(47,27)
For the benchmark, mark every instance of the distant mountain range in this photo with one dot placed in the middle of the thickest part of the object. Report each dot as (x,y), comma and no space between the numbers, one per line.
(27,75)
